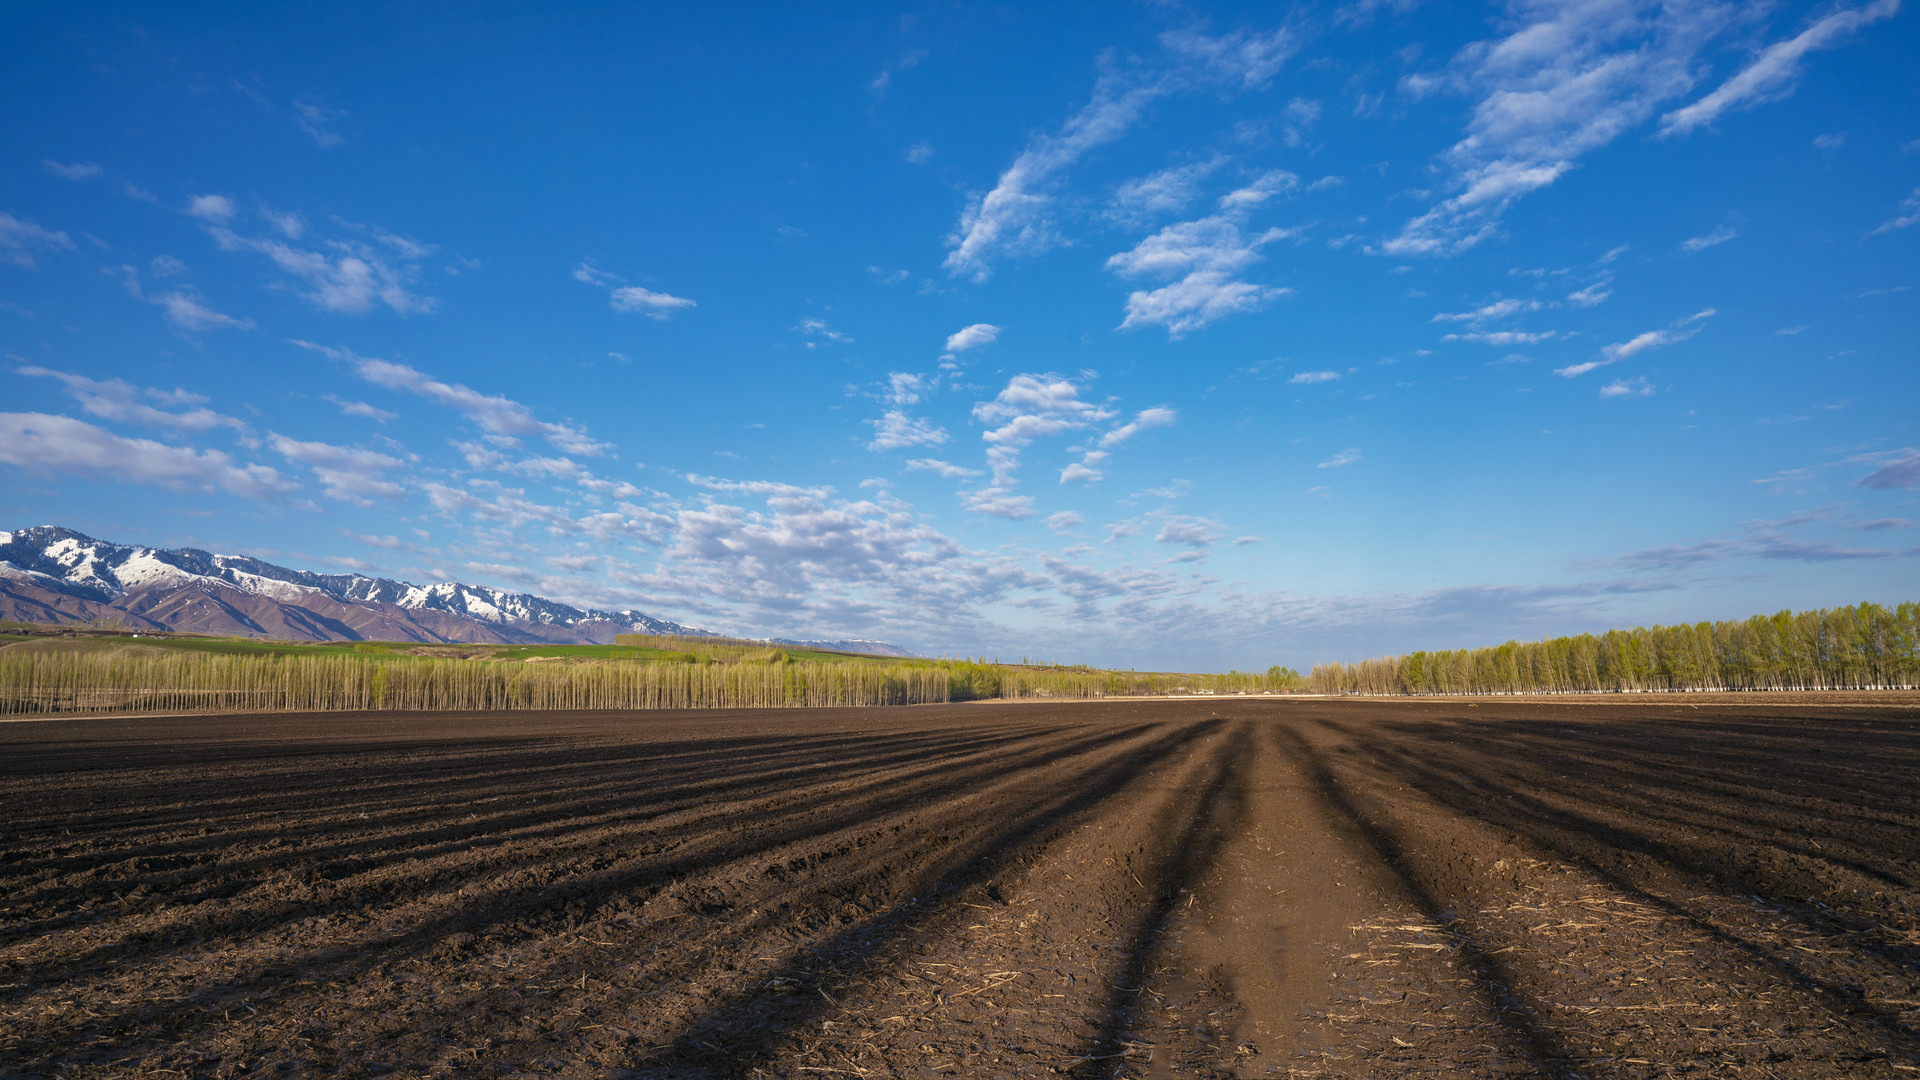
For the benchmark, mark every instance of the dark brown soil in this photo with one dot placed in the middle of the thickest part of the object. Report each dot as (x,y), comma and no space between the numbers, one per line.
(1195,888)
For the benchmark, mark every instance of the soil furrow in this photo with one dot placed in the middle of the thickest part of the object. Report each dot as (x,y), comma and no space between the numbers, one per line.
(1632,887)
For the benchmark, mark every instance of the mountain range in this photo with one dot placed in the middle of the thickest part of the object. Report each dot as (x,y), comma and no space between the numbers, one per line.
(53,575)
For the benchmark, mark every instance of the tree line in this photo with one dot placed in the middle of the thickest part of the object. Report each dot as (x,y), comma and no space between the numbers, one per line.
(1863,647)
(151,680)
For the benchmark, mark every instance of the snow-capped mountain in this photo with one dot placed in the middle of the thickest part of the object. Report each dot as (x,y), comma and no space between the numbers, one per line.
(50,574)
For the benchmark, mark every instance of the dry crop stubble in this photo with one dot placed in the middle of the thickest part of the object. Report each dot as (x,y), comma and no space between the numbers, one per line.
(1333,888)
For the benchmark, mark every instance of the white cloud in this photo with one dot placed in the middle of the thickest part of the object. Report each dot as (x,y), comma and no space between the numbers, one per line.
(1499,309)
(489,500)
(1205,256)
(946,469)
(498,416)
(1591,296)
(362,409)
(1208,243)
(289,224)
(1035,406)
(215,209)
(896,430)
(1613,354)
(1701,243)
(1570,78)
(39,444)
(18,239)
(1168,191)
(811,564)
(1078,472)
(1504,337)
(317,121)
(1902,472)
(351,280)
(905,388)
(654,305)
(186,311)
(1308,378)
(972,337)
(1244,57)
(76,171)
(997,502)
(384,543)
(590,274)
(117,399)
(1065,521)
(346,473)
(1344,457)
(1015,217)
(1772,74)
(1191,531)
(1634,387)
(183,305)
(1144,420)
(815,326)
(919,153)
(1908,215)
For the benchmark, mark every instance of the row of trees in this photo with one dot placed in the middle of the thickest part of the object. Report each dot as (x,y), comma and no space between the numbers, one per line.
(1866,646)
(146,679)
(974,681)
(139,680)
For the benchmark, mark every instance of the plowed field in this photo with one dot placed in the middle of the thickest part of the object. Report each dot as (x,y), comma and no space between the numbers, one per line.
(1629,887)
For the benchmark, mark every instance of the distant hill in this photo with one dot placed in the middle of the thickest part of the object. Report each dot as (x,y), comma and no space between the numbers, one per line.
(54,575)
(851,645)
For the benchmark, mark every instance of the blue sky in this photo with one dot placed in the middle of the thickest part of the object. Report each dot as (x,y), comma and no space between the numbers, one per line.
(1171,335)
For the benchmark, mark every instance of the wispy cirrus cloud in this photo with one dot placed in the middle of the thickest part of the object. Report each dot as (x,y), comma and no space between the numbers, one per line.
(342,275)
(1205,258)
(631,299)
(946,470)
(1144,420)
(317,121)
(1504,337)
(119,400)
(1719,236)
(1772,75)
(1498,309)
(1016,217)
(79,170)
(504,420)
(1900,472)
(20,239)
(361,409)
(1634,387)
(1908,215)
(184,306)
(1681,330)
(347,473)
(1569,79)
(1158,194)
